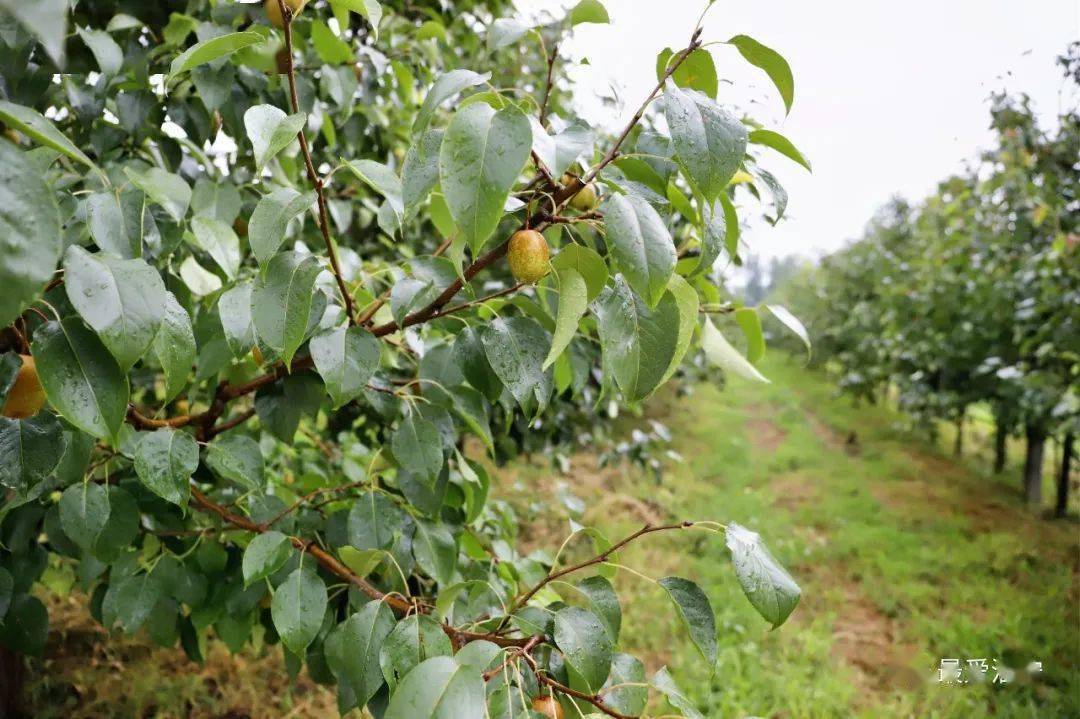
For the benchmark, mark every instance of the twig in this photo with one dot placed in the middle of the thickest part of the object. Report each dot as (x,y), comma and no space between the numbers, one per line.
(598,559)
(547,85)
(324,223)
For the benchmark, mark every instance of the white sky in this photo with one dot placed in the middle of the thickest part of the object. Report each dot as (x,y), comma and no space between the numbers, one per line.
(890,97)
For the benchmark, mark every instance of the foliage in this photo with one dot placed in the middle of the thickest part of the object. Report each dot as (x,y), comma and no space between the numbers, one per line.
(246,262)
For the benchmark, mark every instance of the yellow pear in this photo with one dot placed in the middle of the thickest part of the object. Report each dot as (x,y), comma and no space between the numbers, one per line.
(27,396)
(528,254)
(273,10)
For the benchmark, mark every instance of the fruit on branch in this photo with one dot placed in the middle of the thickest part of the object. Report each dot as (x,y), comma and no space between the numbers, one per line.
(273,10)
(548,707)
(257,355)
(27,396)
(585,200)
(528,255)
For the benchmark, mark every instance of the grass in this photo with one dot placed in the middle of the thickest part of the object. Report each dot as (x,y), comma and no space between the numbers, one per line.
(904,556)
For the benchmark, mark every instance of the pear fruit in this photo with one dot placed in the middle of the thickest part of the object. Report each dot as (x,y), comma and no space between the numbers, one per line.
(273,10)
(585,200)
(548,707)
(27,396)
(528,254)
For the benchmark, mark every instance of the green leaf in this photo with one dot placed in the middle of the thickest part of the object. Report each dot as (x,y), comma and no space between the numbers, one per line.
(421,170)
(604,603)
(696,72)
(750,323)
(586,647)
(478,654)
(435,550)
(29,450)
(281,301)
(686,298)
(166,189)
(266,554)
(165,461)
(715,230)
(297,609)
(626,690)
(446,86)
(40,130)
(439,688)
(641,245)
(270,131)
(362,562)
(237,458)
(709,142)
(174,346)
(696,613)
(720,352)
(209,50)
(731,223)
(121,528)
(109,56)
(589,11)
(196,278)
(779,143)
(383,180)
(26,626)
(573,302)
(792,323)
(371,11)
(281,405)
(346,359)
(414,640)
(271,217)
(586,262)
(638,342)
(417,447)
(84,511)
(352,651)
(81,378)
(234,309)
(329,47)
(482,154)
(122,300)
(218,240)
(772,62)
(766,584)
(116,221)
(219,200)
(47,20)
(515,350)
(373,521)
(505,31)
(30,228)
(663,683)
(129,600)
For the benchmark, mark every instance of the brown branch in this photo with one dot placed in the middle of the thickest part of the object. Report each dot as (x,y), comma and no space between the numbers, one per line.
(141,421)
(234,422)
(548,84)
(316,181)
(593,699)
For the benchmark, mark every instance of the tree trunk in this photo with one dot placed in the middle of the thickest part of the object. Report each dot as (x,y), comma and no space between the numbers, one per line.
(1062,505)
(12,675)
(1001,438)
(1033,463)
(958,443)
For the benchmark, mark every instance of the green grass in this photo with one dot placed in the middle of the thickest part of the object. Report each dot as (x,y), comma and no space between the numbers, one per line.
(904,556)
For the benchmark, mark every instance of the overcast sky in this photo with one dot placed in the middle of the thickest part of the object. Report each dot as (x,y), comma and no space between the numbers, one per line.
(890,97)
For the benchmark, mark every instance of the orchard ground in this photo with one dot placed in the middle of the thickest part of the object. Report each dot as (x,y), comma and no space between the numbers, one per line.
(905,556)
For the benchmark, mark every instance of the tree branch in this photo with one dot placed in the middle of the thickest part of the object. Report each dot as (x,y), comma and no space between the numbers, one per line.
(324,223)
